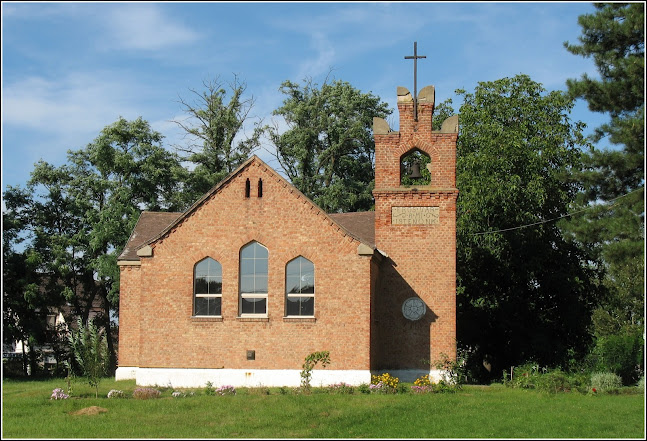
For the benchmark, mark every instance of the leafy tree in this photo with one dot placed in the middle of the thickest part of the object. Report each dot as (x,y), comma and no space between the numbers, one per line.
(82,213)
(89,347)
(613,224)
(214,129)
(524,290)
(24,309)
(328,149)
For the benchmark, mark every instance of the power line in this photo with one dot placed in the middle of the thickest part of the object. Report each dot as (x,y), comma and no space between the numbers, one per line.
(560,217)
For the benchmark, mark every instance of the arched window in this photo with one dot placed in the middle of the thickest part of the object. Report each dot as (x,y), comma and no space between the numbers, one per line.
(207,287)
(253,279)
(300,287)
(260,188)
(247,188)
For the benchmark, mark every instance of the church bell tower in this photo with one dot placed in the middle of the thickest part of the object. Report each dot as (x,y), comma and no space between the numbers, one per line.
(414,322)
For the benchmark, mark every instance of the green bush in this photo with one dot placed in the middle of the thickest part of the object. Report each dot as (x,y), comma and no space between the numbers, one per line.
(553,381)
(89,347)
(144,393)
(621,354)
(531,376)
(605,382)
(341,388)
(364,388)
(209,389)
(523,377)
(580,381)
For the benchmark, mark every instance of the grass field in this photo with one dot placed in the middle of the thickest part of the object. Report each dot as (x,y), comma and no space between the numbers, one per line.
(473,412)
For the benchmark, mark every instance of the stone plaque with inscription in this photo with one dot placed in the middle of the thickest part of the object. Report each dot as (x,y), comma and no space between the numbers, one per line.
(415,215)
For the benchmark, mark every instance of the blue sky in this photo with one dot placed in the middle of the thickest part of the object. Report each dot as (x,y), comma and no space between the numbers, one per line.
(70,69)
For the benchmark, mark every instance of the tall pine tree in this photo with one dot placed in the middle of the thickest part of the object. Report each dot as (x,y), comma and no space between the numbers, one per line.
(613,224)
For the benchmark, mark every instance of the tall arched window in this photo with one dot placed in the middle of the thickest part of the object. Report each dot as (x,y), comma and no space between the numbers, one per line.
(300,287)
(207,287)
(253,279)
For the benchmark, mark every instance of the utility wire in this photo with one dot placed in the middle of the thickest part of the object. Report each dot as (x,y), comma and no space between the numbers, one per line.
(560,217)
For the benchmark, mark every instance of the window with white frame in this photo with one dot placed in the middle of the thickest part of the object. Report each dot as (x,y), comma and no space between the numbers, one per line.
(300,288)
(253,279)
(207,288)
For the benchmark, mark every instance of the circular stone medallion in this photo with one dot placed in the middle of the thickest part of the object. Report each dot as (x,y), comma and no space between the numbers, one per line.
(413,308)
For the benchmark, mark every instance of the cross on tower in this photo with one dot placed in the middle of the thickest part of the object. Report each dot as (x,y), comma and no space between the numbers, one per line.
(415,57)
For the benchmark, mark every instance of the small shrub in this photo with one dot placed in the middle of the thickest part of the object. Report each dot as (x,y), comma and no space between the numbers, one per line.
(364,388)
(386,379)
(427,389)
(443,387)
(309,364)
(422,385)
(384,383)
(89,348)
(580,382)
(523,377)
(605,382)
(641,383)
(145,393)
(553,382)
(209,389)
(422,381)
(454,371)
(341,388)
(114,393)
(180,394)
(226,390)
(59,394)
(259,390)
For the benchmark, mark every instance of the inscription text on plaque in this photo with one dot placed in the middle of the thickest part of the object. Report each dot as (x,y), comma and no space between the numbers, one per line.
(415,215)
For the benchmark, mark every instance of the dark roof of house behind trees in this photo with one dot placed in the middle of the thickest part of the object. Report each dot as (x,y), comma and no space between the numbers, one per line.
(150,224)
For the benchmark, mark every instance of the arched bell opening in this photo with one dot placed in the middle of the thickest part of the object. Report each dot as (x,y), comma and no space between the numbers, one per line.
(415,168)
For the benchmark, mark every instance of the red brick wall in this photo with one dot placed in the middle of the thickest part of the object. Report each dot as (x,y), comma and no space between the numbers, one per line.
(288,225)
(441,148)
(129,316)
(422,258)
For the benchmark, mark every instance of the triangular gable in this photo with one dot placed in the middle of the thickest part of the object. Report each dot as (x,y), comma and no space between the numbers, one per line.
(232,175)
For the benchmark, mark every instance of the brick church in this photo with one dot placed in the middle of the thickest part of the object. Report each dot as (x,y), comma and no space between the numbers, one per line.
(254,277)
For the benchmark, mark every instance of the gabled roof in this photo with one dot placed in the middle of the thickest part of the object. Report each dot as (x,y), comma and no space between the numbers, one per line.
(148,226)
(359,224)
(152,226)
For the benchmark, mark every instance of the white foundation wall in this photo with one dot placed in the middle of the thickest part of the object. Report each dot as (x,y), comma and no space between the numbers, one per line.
(196,378)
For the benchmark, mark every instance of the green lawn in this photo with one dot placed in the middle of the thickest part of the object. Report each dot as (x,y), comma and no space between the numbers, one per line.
(474,412)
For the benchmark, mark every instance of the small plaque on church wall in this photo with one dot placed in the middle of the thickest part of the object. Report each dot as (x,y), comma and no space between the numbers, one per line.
(415,215)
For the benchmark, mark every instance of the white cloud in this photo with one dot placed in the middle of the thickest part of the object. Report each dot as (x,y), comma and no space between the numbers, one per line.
(325,57)
(58,107)
(145,27)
